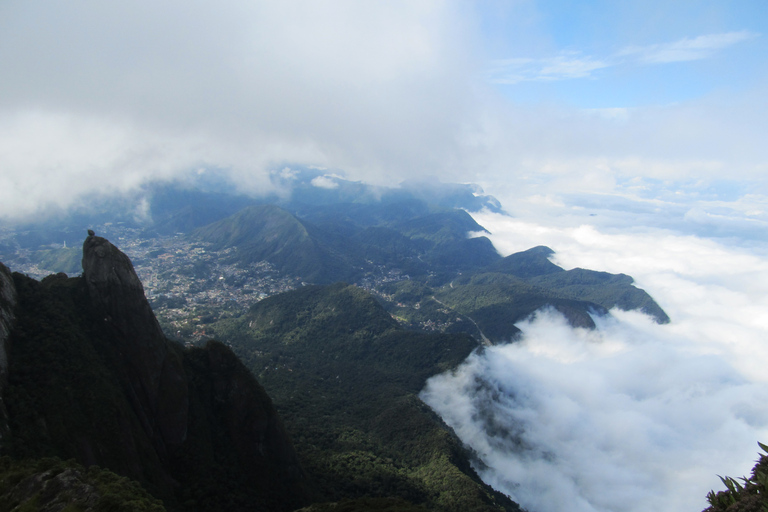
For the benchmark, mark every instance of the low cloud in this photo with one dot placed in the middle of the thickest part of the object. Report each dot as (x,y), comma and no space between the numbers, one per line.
(626,418)
(325,181)
(634,415)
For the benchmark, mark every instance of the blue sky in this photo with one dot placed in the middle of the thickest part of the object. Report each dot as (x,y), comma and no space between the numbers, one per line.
(602,54)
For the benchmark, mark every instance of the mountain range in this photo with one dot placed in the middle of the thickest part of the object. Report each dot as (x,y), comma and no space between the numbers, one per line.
(309,398)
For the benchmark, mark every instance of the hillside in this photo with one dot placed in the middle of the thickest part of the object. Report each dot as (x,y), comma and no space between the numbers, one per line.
(488,302)
(329,243)
(345,378)
(269,233)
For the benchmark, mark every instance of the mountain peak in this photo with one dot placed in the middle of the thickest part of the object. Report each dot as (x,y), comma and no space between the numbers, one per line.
(115,289)
(117,296)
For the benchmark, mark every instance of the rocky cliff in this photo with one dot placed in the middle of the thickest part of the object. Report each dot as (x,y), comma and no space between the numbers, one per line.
(154,374)
(91,377)
(7,305)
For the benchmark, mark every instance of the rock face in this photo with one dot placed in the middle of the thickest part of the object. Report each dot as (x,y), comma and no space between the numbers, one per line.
(158,387)
(92,377)
(7,304)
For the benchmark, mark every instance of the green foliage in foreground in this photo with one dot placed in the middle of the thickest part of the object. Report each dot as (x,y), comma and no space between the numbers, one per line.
(345,379)
(748,495)
(53,484)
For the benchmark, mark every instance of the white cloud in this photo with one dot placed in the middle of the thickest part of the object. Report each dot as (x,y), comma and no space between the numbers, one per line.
(628,418)
(635,415)
(565,66)
(325,181)
(685,49)
(99,97)
(154,90)
(569,64)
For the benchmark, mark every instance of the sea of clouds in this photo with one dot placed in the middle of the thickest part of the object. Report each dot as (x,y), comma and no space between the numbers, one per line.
(632,416)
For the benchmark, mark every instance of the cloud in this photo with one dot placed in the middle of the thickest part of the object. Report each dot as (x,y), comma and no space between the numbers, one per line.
(686,49)
(565,66)
(100,98)
(155,90)
(569,64)
(325,181)
(627,418)
(635,415)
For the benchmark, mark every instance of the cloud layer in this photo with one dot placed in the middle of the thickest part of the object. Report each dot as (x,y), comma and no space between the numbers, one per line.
(141,92)
(633,416)
(99,98)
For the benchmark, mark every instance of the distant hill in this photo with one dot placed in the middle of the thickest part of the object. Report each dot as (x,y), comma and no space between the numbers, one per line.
(531,263)
(170,208)
(465,284)
(270,233)
(489,301)
(344,242)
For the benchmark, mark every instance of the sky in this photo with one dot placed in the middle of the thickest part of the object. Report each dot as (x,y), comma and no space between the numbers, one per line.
(628,136)
(658,104)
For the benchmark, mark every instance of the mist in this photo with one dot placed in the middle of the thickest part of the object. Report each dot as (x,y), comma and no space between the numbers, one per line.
(633,415)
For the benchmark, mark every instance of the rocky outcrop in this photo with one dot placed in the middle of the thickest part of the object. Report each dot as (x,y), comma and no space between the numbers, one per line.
(7,304)
(155,376)
(93,378)
(51,485)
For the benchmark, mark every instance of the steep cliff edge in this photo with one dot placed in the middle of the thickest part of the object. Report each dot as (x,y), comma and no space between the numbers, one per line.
(8,301)
(91,377)
(157,385)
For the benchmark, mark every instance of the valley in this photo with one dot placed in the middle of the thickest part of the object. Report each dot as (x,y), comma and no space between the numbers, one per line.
(341,305)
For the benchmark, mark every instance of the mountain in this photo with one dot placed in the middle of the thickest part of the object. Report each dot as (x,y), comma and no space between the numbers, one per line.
(488,301)
(347,241)
(269,233)
(86,372)
(531,263)
(165,209)
(345,377)
(90,376)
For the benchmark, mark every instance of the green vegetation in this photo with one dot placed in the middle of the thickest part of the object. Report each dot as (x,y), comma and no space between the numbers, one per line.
(267,232)
(345,379)
(324,244)
(52,484)
(607,290)
(751,495)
